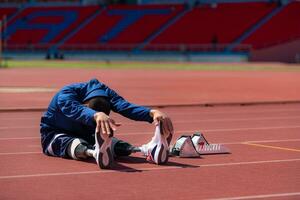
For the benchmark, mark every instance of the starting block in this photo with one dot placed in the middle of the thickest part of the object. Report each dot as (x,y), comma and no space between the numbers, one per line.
(196,145)
(204,148)
(184,148)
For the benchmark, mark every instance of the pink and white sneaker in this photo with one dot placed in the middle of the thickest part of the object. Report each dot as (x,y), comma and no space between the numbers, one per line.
(103,153)
(157,150)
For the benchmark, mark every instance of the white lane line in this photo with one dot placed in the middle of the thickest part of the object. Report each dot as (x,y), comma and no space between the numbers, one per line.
(182,121)
(226,143)
(250,128)
(219,130)
(26,89)
(20,127)
(147,169)
(186,112)
(262,196)
(229,143)
(261,141)
(271,141)
(237,119)
(209,112)
(20,153)
(239,142)
(37,118)
(20,138)
(182,131)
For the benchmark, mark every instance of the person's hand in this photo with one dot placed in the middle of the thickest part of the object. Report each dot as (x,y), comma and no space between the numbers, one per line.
(158,117)
(105,123)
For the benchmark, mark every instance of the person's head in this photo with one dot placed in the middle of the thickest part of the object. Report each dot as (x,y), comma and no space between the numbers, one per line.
(100,104)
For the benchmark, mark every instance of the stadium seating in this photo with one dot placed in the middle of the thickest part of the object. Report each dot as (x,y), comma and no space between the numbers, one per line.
(281,28)
(126,24)
(8,11)
(150,27)
(45,25)
(206,24)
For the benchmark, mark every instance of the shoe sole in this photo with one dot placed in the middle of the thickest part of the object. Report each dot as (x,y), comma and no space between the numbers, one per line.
(163,155)
(163,148)
(104,156)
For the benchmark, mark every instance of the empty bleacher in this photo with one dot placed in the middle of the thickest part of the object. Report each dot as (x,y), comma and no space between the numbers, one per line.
(206,24)
(7,12)
(126,26)
(45,25)
(281,28)
(149,27)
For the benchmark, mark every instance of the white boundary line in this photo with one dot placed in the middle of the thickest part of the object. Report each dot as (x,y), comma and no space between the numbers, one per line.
(262,141)
(19,127)
(20,118)
(20,153)
(236,119)
(250,128)
(203,112)
(225,143)
(217,119)
(263,196)
(15,89)
(237,112)
(182,121)
(20,138)
(182,131)
(146,169)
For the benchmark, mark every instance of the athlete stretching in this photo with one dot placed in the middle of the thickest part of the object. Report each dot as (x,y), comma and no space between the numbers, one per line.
(77,125)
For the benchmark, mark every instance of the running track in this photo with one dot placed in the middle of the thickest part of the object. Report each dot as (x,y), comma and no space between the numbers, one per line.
(264,140)
(251,171)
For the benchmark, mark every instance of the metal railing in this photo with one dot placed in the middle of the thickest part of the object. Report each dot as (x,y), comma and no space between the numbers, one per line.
(127,47)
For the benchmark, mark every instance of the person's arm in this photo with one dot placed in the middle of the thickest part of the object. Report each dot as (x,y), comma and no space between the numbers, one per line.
(71,106)
(127,109)
(139,113)
(70,102)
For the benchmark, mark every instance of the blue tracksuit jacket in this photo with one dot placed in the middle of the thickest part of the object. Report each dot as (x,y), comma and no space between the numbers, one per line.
(66,113)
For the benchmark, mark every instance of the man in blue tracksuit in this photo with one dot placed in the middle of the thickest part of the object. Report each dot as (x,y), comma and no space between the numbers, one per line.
(77,124)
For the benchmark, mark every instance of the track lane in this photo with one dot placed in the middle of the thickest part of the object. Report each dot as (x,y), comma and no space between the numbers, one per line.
(241,173)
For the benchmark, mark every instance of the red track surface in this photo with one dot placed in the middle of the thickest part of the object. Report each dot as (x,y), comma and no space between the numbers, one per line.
(152,87)
(252,170)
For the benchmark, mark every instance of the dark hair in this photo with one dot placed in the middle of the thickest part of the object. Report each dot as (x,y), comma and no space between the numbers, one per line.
(100,104)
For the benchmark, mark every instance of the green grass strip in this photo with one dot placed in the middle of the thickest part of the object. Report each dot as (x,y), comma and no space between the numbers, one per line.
(154,65)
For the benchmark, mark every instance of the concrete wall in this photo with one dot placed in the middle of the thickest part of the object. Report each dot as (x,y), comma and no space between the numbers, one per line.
(288,52)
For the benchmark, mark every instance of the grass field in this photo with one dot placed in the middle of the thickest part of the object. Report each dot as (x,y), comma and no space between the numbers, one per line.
(154,65)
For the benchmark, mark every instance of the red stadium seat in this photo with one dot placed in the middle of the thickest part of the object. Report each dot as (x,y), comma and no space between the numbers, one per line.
(137,28)
(126,27)
(204,24)
(282,27)
(7,11)
(40,25)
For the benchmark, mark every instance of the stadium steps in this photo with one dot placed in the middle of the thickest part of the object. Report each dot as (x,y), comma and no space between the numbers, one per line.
(162,29)
(254,28)
(82,25)
(10,19)
(272,34)
(7,12)
(13,16)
